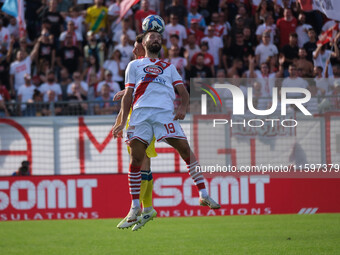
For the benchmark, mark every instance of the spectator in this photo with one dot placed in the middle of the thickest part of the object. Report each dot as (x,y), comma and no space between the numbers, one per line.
(293,81)
(21,67)
(71,31)
(96,16)
(141,14)
(265,50)
(193,14)
(180,63)
(291,50)
(49,86)
(321,54)
(64,81)
(267,27)
(126,29)
(105,104)
(285,26)
(215,46)
(82,86)
(69,56)
(237,50)
(262,12)
(208,58)
(194,29)
(237,27)
(302,30)
(199,70)
(304,64)
(93,70)
(206,8)
(114,86)
(4,34)
(46,51)
(25,95)
(115,65)
(78,20)
(191,48)
(310,46)
(54,20)
(125,49)
(179,11)
(13,28)
(23,169)
(4,92)
(321,83)
(76,104)
(93,47)
(236,68)
(174,28)
(174,41)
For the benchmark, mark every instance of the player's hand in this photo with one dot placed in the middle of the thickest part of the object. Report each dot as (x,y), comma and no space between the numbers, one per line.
(180,114)
(118,95)
(117,131)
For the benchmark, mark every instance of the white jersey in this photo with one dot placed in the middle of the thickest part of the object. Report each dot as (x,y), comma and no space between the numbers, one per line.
(153,81)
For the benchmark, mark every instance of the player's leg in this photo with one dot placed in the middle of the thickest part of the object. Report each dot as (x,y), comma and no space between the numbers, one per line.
(146,194)
(137,153)
(183,148)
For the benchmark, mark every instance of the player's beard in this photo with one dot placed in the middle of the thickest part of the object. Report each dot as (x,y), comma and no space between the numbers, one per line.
(154,47)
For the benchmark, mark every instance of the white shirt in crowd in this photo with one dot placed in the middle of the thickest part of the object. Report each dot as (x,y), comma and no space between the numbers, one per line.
(178,30)
(78,25)
(83,84)
(297,82)
(126,52)
(113,67)
(215,43)
(19,69)
(114,87)
(265,51)
(45,87)
(302,32)
(321,61)
(26,93)
(268,29)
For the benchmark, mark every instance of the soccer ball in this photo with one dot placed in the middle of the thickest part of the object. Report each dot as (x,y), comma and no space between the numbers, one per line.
(153,23)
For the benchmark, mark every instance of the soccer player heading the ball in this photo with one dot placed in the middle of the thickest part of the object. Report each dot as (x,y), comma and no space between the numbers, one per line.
(146,187)
(150,84)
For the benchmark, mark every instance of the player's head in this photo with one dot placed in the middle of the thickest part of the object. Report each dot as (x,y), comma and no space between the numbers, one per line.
(138,49)
(152,42)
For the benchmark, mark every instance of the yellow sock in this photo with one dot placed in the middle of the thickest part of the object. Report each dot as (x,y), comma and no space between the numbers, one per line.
(147,198)
(143,189)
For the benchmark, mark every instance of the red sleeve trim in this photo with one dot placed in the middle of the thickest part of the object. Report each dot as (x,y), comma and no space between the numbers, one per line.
(129,85)
(175,83)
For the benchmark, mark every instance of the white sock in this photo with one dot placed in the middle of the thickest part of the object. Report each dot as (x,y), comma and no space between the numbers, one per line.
(203,193)
(147,209)
(135,203)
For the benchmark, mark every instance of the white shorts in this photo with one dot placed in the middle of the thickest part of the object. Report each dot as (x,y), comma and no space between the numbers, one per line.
(148,122)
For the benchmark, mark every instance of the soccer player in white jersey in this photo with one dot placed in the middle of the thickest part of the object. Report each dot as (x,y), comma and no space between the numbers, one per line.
(150,85)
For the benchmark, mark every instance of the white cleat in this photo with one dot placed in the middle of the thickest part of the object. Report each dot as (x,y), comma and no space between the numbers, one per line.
(208,201)
(132,218)
(146,217)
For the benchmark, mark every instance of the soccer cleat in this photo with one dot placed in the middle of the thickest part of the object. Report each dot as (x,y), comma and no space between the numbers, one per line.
(145,218)
(208,201)
(132,218)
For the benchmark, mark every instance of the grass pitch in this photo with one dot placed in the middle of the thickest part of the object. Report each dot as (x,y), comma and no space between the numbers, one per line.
(271,234)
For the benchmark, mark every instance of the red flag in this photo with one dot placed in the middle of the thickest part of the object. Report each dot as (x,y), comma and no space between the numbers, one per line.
(328,35)
(125,5)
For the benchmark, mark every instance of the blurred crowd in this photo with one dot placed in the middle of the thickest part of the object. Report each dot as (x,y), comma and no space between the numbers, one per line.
(72,58)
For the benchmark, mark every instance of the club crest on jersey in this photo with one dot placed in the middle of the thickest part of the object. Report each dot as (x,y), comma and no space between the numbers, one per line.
(153,69)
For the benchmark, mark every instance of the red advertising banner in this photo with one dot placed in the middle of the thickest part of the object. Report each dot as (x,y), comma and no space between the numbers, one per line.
(106,196)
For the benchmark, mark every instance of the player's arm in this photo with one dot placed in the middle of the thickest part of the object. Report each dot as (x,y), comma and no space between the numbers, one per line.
(182,108)
(125,109)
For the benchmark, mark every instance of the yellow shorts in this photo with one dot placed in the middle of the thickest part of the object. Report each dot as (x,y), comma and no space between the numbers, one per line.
(150,150)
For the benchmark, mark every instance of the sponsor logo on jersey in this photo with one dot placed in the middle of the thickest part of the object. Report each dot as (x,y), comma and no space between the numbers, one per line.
(153,69)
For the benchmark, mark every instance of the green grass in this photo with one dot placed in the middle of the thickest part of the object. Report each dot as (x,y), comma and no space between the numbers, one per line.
(271,234)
